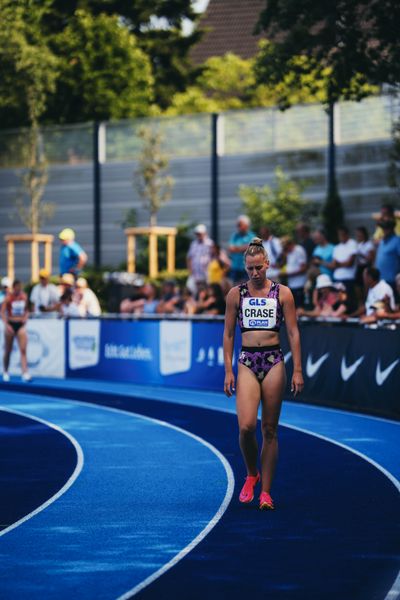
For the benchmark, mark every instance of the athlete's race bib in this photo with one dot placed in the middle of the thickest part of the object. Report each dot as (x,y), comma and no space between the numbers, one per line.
(259,313)
(18,308)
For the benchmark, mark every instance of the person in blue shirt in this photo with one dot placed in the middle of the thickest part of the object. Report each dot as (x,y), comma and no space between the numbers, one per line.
(72,256)
(388,254)
(323,252)
(238,243)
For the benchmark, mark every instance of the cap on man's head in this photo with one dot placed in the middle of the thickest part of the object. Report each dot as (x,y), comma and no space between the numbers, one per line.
(68,279)
(200,229)
(67,234)
(44,273)
(243,219)
(6,282)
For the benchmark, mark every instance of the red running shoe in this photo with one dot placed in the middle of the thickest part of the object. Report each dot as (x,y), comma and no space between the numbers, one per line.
(247,493)
(266,502)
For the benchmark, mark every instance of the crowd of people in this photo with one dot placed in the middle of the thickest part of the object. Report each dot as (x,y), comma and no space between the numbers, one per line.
(358,277)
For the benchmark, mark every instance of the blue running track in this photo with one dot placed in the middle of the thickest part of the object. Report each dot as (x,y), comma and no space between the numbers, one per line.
(137,500)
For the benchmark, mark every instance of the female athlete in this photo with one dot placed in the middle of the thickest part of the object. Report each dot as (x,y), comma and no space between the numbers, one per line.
(259,305)
(14,312)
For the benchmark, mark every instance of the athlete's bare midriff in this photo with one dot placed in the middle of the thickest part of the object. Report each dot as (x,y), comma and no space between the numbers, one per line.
(260,338)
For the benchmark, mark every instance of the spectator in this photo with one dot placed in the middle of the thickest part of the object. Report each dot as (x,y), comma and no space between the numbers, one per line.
(388,254)
(44,296)
(5,286)
(86,298)
(295,268)
(147,304)
(364,258)
(238,243)
(328,301)
(68,307)
(379,293)
(72,256)
(384,309)
(67,282)
(219,266)
(387,213)
(303,237)
(344,264)
(198,258)
(212,302)
(171,300)
(323,253)
(273,247)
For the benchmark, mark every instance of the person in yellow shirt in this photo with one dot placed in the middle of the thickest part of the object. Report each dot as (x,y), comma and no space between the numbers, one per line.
(218,267)
(388,213)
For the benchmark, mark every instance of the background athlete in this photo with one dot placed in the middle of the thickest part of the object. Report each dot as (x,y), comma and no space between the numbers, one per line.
(14,313)
(259,305)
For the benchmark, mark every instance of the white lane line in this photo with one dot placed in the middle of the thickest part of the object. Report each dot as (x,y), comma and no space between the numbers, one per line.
(210,525)
(68,483)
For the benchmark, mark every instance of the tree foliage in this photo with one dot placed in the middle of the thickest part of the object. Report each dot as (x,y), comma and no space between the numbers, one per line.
(354,41)
(280,207)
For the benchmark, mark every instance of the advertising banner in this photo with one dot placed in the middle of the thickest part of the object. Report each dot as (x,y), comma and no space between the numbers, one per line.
(46,349)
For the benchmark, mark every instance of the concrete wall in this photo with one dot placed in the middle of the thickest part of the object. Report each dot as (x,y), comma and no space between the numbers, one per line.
(362,180)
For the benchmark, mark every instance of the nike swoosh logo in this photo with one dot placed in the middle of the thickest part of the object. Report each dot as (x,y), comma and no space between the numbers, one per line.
(346,371)
(381,376)
(312,367)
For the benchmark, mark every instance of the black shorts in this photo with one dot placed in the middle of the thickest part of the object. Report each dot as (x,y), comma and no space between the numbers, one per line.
(16,325)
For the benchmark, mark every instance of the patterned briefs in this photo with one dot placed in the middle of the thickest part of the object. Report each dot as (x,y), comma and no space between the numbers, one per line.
(260,359)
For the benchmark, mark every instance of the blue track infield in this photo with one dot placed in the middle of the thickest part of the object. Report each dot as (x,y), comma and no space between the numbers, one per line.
(334,533)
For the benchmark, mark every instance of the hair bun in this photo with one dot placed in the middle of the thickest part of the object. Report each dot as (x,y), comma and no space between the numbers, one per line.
(256,241)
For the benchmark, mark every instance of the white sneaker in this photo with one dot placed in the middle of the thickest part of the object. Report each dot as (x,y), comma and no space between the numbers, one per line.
(6,376)
(26,377)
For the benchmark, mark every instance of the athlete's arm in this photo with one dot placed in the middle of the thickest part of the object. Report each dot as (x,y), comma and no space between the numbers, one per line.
(289,312)
(232,300)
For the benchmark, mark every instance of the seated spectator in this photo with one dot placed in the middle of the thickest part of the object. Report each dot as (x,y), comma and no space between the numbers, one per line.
(67,282)
(384,310)
(212,301)
(328,301)
(378,293)
(68,307)
(273,246)
(295,268)
(146,304)
(322,255)
(170,299)
(86,298)
(45,296)
(189,302)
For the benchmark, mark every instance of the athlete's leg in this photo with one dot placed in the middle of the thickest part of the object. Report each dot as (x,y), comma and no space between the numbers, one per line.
(272,389)
(22,338)
(8,343)
(247,402)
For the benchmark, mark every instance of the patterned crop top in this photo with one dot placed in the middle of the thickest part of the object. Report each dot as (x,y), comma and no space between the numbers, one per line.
(259,313)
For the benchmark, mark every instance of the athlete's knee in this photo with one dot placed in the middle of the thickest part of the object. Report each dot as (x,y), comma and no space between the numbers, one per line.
(247,429)
(269,431)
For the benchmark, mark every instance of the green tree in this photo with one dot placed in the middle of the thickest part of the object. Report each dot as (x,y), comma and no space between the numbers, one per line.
(104,74)
(153,185)
(280,207)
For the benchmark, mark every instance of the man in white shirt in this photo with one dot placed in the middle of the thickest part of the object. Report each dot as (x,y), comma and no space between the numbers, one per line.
(86,299)
(273,247)
(379,294)
(295,268)
(44,296)
(344,264)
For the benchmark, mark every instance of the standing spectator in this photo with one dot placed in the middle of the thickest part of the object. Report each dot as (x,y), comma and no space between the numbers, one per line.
(198,258)
(72,256)
(303,237)
(388,254)
(238,243)
(364,258)
(387,213)
(273,247)
(295,268)
(4,288)
(323,252)
(344,264)
(86,298)
(218,266)
(44,296)
(14,313)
